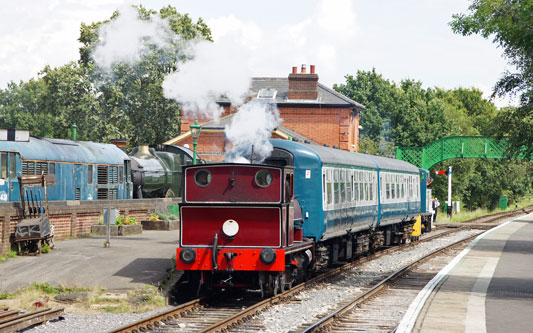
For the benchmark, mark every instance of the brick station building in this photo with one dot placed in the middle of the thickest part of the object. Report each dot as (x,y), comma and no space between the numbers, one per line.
(310,111)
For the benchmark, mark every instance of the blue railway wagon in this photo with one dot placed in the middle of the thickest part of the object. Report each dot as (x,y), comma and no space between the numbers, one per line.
(342,192)
(83,170)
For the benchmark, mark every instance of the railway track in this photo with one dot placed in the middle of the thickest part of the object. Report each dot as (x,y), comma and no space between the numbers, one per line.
(13,320)
(209,315)
(380,308)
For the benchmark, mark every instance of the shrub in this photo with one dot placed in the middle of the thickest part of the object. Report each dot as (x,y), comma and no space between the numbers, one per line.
(163,216)
(124,220)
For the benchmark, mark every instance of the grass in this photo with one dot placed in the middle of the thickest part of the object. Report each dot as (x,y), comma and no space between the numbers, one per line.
(10,254)
(466,215)
(97,300)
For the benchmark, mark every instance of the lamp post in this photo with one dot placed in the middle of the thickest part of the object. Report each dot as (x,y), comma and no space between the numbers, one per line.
(195,133)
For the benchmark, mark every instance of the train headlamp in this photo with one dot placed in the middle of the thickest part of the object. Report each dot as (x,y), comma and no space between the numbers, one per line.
(187,256)
(230,228)
(267,256)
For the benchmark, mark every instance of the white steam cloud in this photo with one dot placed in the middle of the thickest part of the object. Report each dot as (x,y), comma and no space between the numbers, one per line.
(217,70)
(127,38)
(212,71)
(250,130)
(221,69)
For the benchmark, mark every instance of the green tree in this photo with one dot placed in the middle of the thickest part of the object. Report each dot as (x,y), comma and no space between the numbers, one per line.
(131,101)
(510,25)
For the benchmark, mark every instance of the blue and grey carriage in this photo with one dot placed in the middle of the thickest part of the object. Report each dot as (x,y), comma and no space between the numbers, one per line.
(352,203)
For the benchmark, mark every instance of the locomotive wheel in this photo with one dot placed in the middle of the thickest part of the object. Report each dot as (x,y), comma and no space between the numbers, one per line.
(273,284)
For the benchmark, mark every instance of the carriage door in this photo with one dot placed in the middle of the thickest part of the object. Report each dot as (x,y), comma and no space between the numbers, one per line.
(78,174)
(4,179)
(13,165)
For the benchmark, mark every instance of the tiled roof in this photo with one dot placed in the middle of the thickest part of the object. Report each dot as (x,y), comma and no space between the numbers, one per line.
(326,96)
(220,125)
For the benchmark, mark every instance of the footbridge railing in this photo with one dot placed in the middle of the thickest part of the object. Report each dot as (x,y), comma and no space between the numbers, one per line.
(453,147)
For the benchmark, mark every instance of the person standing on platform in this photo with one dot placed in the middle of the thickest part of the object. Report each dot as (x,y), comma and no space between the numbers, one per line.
(436,205)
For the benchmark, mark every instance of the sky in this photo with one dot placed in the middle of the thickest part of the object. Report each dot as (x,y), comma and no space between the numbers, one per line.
(407,39)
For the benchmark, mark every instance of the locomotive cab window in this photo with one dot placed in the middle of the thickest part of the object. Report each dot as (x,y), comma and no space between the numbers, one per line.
(202,178)
(263,178)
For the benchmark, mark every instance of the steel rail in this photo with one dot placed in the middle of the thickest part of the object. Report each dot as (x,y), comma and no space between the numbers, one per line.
(13,324)
(155,321)
(353,302)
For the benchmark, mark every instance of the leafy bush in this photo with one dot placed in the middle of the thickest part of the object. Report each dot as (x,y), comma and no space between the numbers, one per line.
(45,248)
(124,220)
(163,216)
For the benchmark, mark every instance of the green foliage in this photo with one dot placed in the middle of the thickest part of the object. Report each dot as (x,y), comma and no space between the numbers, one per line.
(408,115)
(127,104)
(163,216)
(509,24)
(45,248)
(124,220)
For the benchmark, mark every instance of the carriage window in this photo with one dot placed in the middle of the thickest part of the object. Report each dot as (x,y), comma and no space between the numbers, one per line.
(397,190)
(89,173)
(263,178)
(361,192)
(12,166)
(370,192)
(392,191)
(4,165)
(202,177)
(324,193)
(120,175)
(52,169)
(349,188)
(330,193)
(336,191)
(356,189)
(366,191)
(403,190)
(388,191)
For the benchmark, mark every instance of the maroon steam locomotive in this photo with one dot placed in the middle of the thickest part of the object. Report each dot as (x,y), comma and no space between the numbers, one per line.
(240,228)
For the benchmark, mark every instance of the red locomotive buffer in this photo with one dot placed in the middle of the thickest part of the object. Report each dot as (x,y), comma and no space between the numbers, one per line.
(237,228)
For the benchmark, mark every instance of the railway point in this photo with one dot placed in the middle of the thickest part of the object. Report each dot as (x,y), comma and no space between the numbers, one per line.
(486,288)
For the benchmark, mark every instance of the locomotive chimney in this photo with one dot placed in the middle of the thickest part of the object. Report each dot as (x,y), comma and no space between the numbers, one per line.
(143,151)
(303,85)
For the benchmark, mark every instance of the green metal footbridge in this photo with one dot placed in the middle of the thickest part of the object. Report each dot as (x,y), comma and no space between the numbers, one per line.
(454,147)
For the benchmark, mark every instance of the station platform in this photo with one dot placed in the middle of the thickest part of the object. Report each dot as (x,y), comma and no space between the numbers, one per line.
(488,287)
(131,262)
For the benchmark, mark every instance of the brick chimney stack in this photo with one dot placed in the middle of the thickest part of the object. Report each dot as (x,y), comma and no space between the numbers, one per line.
(303,85)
